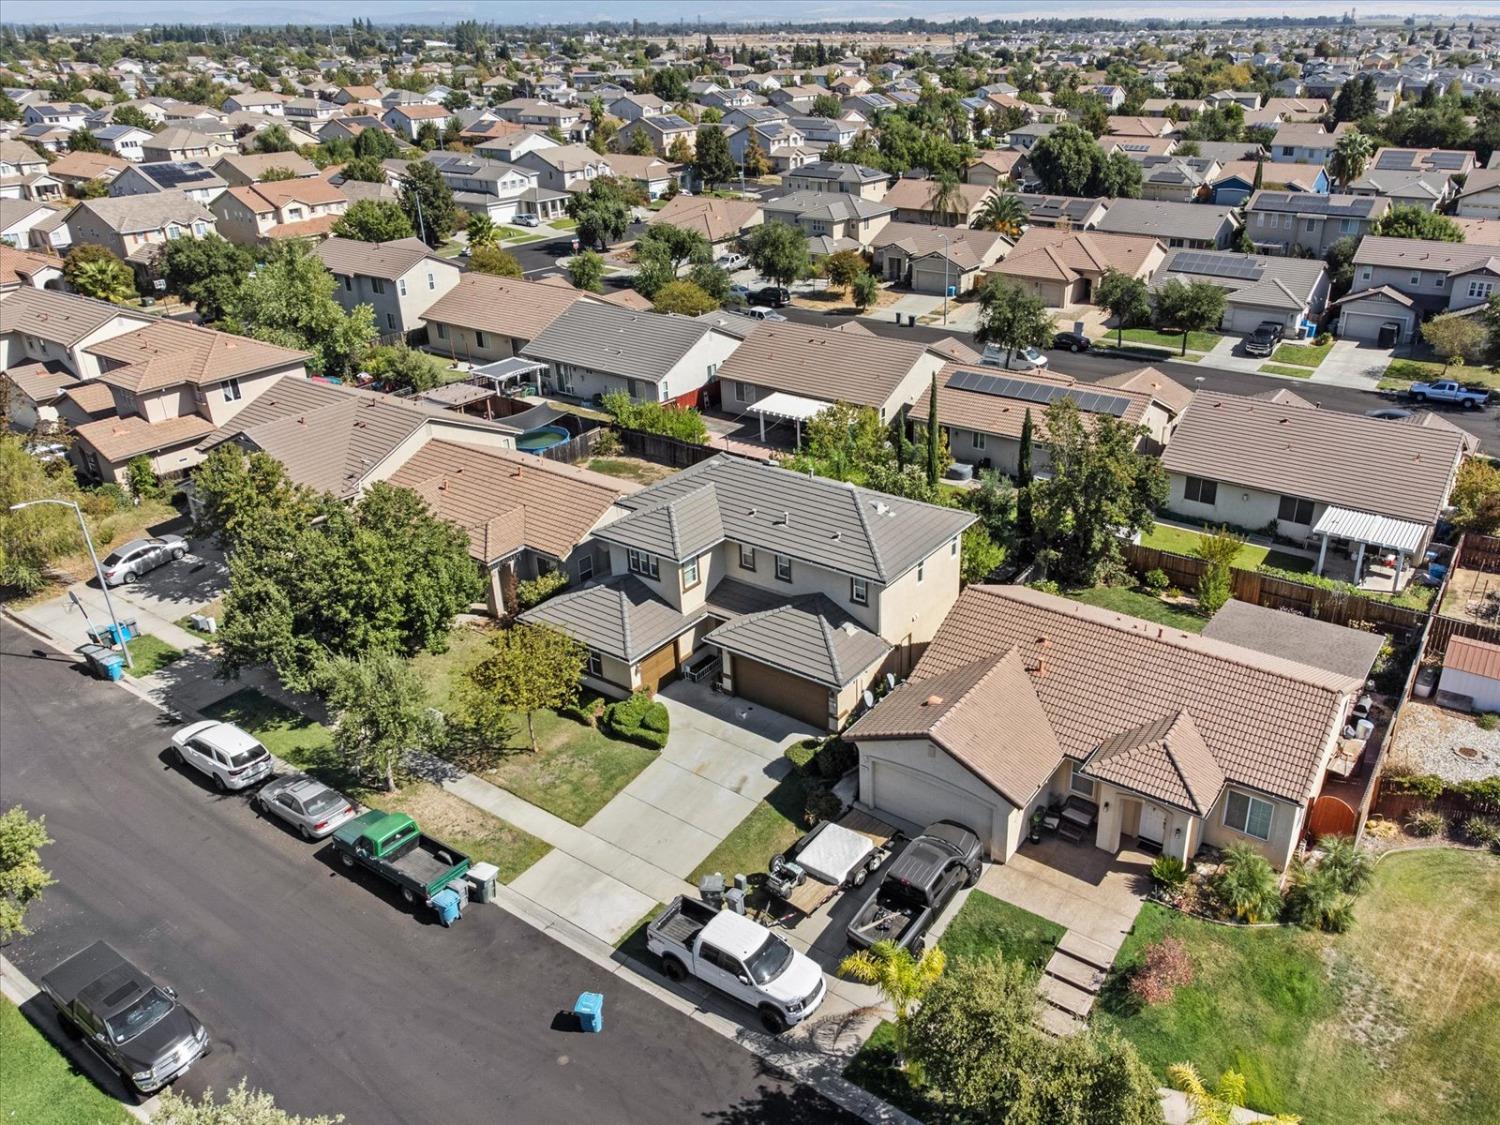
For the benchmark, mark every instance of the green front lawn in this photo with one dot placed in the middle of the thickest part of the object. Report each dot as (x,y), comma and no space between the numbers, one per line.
(305,745)
(1181,541)
(1196,341)
(151,654)
(1145,606)
(1393,1022)
(442,671)
(1401,373)
(772,827)
(564,224)
(1289,372)
(989,927)
(39,1086)
(1304,355)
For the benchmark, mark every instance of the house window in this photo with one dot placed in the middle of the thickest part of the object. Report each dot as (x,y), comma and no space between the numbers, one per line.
(859,591)
(747,557)
(1439,281)
(377,284)
(1200,490)
(1364,274)
(401,286)
(231,390)
(647,566)
(390,320)
(1260,218)
(921,571)
(742,393)
(596,664)
(1416,279)
(1080,784)
(1308,226)
(431,282)
(1248,814)
(348,283)
(783,568)
(690,574)
(1295,510)
(1480,289)
(479,339)
(976,439)
(585,568)
(442,331)
(1349,226)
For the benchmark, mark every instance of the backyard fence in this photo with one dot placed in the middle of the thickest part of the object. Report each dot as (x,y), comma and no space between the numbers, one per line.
(576,449)
(1474,552)
(664,450)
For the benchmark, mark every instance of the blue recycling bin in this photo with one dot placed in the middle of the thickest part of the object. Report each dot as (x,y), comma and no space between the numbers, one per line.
(449,905)
(590,1011)
(112,665)
(110,635)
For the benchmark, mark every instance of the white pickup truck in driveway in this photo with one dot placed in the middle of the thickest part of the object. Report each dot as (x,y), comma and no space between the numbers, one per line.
(1449,390)
(739,957)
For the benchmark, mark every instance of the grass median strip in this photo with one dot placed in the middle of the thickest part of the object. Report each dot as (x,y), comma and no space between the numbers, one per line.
(772,827)
(1289,372)
(1304,355)
(151,654)
(1196,341)
(39,1086)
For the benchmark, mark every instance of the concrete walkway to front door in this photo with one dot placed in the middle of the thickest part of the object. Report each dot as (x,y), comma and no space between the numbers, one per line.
(1079,886)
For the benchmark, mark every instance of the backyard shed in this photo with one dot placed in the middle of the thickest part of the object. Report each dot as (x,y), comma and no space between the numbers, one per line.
(1471,672)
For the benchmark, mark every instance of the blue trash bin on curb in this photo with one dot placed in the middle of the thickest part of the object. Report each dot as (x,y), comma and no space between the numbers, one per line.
(449,904)
(590,1011)
(113,665)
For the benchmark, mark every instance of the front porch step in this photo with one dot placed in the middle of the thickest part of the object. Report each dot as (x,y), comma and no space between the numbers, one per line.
(1056,1022)
(1080,974)
(1061,994)
(1087,950)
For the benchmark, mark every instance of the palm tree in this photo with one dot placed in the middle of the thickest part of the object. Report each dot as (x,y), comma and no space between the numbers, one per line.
(1247,883)
(1351,155)
(1003,212)
(901,978)
(1216,1106)
(104,279)
(946,199)
(481,230)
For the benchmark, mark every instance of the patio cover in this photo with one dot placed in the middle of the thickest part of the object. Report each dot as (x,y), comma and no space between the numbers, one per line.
(787,408)
(1376,531)
(504,370)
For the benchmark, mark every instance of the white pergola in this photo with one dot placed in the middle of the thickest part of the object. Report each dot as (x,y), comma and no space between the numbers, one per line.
(783,407)
(1368,530)
(503,371)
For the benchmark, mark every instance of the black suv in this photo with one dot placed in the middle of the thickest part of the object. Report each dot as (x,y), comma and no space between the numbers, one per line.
(134,1025)
(772,297)
(1264,339)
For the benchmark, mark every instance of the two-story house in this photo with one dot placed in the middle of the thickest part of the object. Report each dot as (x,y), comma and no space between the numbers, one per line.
(23,174)
(783,145)
(305,208)
(68,116)
(193,180)
(135,227)
(123,140)
(399,280)
(662,131)
(494,188)
(1303,142)
(805,590)
(839,177)
(407,120)
(595,348)
(1195,226)
(1278,220)
(918,201)
(852,218)
(571,120)
(1399,281)
(182,144)
(633,107)
(244,169)
(560,167)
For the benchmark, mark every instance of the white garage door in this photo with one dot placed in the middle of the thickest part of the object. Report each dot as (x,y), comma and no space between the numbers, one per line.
(922,799)
(1247,320)
(929,278)
(1366,326)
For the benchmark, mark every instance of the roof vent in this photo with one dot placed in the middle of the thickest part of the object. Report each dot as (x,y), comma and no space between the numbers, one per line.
(785,520)
(932,701)
(751,513)
(836,536)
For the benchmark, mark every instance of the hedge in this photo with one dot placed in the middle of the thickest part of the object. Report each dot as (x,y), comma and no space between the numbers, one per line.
(828,758)
(639,719)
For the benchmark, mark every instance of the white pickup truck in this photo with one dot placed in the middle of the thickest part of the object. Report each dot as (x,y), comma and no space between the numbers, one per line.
(739,957)
(1449,390)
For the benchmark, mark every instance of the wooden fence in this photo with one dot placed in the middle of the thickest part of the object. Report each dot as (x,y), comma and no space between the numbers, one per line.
(1478,552)
(576,449)
(664,450)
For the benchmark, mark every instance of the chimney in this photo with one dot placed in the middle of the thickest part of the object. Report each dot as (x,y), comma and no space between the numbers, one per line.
(444,486)
(1041,668)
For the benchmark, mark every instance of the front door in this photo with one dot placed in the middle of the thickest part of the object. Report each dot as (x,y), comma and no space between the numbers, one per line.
(1153,824)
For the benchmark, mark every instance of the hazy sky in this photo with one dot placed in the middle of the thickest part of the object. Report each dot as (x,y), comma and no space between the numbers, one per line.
(561,11)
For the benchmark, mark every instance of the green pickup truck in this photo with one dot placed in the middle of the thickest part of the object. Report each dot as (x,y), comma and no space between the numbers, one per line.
(391,845)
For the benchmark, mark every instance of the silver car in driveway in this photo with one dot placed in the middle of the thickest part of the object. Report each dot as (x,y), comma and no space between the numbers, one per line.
(309,806)
(135,558)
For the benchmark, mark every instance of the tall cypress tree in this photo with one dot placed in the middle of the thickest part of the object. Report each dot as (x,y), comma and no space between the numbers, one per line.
(1024,527)
(932,436)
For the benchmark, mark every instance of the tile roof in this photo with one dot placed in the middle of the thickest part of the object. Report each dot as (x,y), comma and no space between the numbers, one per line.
(1349,652)
(916,195)
(1065,255)
(1005,417)
(620,617)
(502,305)
(1323,455)
(678,528)
(957,710)
(1166,220)
(169,352)
(132,214)
(505,500)
(387,260)
(62,318)
(1165,759)
(827,206)
(41,382)
(823,364)
(607,338)
(87,165)
(17,266)
(275,194)
(812,519)
(118,439)
(1478,658)
(965,247)
(1149,380)
(256,164)
(1268,720)
(714,219)
(809,637)
(1422,253)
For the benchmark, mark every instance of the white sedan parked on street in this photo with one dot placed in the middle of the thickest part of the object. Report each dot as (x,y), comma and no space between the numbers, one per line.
(223,752)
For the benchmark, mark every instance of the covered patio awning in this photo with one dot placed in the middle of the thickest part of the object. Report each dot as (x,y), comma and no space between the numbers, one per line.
(783,407)
(1404,537)
(503,371)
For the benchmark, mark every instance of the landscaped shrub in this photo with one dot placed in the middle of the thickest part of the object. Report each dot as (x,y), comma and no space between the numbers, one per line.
(801,754)
(1487,721)
(1169,871)
(1321,894)
(1481,830)
(1155,580)
(836,758)
(639,719)
(682,423)
(820,805)
(535,591)
(1426,785)
(1165,968)
(1046,586)
(1426,822)
(1246,883)
(587,710)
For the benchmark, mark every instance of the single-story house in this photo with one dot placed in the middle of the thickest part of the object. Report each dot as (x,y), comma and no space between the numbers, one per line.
(1291,291)
(1197,226)
(720,221)
(1062,266)
(933,259)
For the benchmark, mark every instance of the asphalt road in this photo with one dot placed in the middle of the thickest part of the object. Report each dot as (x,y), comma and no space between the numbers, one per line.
(1484,424)
(321,988)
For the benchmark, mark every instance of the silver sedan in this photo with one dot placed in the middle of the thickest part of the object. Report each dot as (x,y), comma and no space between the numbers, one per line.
(309,806)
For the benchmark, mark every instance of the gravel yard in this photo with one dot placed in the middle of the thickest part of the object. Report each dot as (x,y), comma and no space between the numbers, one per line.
(1437,740)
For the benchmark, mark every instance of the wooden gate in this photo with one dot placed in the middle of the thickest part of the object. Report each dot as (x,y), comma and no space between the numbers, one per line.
(1329,816)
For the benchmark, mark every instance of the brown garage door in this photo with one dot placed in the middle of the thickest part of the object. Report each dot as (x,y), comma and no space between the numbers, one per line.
(781,691)
(659,668)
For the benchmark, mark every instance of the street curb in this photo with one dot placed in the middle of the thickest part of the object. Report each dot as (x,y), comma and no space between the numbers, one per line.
(16,987)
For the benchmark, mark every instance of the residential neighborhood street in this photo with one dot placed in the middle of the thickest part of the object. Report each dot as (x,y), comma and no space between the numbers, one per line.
(315,985)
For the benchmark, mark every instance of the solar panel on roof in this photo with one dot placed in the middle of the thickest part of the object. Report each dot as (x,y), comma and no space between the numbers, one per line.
(1043,394)
(1216,265)
(1447,160)
(176,173)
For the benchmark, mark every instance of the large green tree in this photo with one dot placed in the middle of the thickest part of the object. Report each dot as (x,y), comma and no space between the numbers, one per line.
(428,202)
(22,876)
(1126,298)
(778,251)
(489,258)
(1066,160)
(382,712)
(95,272)
(528,667)
(289,301)
(1102,487)
(586,271)
(238,493)
(602,212)
(1011,318)
(1351,156)
(1412,221)
(711,159)
(208,272)
(374,220)
(1187,306)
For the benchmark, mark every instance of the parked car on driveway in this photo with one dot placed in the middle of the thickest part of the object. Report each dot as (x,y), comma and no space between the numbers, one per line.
(916,886)
(232,758)
(1073,341)
(773,296)
(309,806)
(127,563)
(1264,339)
(527,221)
(135,1025)
(740,291)
(733,262)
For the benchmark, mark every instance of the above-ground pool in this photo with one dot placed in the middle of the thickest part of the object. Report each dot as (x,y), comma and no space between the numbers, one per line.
(544,437)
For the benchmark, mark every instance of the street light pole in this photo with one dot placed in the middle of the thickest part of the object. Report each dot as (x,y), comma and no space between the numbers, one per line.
(945,279)
(98,570)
